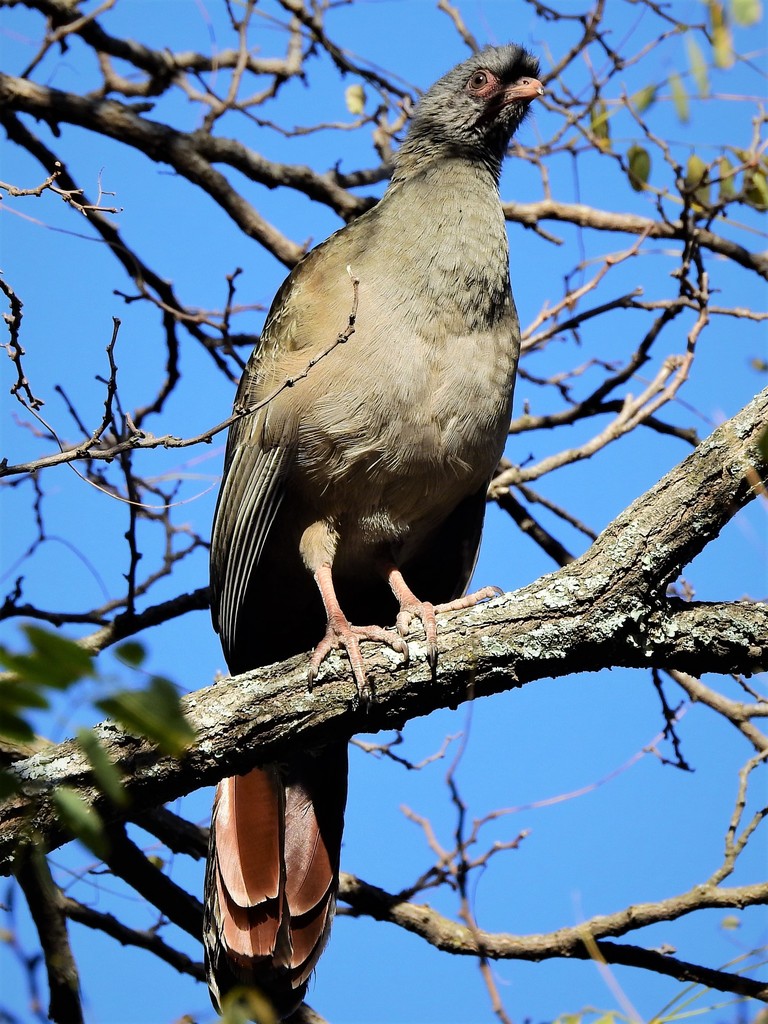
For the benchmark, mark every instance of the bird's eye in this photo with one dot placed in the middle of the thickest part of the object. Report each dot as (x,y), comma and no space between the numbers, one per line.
(478,81)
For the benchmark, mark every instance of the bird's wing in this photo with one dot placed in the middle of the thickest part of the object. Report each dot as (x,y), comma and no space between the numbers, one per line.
(308,311)
(252,486)
(250,496)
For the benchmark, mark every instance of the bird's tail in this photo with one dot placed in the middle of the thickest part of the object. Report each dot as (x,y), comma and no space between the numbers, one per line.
(272,875)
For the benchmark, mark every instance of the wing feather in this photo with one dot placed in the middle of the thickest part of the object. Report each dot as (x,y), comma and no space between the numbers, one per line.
(250,496)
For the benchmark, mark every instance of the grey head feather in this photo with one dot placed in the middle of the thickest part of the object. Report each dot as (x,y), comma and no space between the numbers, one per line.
(453,119)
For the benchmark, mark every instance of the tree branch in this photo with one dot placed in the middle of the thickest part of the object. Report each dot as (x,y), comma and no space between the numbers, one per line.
(190,154)
(529,214)
(144,277)
(127,861)
(109,925)
(607,608)
(452,937)
(46,907)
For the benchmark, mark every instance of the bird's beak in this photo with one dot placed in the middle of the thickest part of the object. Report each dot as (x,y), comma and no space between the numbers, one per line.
(526,89)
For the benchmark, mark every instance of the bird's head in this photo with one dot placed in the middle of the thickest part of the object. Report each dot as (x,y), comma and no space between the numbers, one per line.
(476,108)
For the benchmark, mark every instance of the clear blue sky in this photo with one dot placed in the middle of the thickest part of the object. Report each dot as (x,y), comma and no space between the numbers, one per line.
(649,832)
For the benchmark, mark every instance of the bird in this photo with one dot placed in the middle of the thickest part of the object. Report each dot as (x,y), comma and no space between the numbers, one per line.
(359,490)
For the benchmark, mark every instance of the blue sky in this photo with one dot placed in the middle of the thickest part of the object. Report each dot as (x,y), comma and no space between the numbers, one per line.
(649,832)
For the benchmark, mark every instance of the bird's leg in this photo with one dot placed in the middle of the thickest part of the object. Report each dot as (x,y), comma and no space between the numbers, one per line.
(340,632)
(412,608)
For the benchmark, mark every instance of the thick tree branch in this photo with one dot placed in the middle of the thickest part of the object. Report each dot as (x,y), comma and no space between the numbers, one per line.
(127,860)
(257,717)
(190,154)
(49,914)
(605,609)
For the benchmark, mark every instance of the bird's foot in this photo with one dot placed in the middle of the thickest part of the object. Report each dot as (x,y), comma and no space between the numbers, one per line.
(470,600)
(425,612)
(341,633)
(412,608)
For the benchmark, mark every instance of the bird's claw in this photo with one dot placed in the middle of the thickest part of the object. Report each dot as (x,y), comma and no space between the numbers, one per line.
(426,612)
(344,634)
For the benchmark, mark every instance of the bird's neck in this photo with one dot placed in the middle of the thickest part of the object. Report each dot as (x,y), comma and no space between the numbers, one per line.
(417,157)
(442,224)
(441,206)
(442,200)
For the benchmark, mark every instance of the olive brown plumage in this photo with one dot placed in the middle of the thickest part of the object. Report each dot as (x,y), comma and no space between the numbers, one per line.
(361,490)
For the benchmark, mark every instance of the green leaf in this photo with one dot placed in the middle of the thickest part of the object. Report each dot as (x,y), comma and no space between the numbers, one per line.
(241,1005)
(155,713)
(14,727)
(727,188)
(598,120)
(746,12)
(54,660)
(65,661)
(354,97)
(107,775)
(639,167)
(698,66)
(131,653)
(762,444)
(755,189)
(695,184)
(722,41)
(680,98)
(730,922)
(15,693)
(644,98)
(82,820)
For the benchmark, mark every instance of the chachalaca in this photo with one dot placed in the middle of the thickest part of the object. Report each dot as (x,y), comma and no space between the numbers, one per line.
(358,488)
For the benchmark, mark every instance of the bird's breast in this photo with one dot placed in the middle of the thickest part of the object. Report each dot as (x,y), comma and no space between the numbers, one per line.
(408,416)
(401,432)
